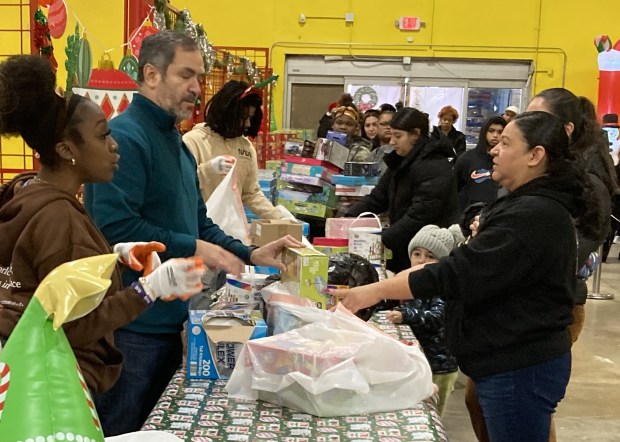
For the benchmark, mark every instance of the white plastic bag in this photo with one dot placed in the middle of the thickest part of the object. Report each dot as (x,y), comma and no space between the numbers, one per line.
(225,208)
(287,312)
(341,367)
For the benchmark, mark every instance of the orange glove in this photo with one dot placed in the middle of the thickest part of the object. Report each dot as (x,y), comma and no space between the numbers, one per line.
(140,255)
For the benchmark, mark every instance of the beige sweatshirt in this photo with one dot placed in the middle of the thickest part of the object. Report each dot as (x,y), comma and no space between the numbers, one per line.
(205,145)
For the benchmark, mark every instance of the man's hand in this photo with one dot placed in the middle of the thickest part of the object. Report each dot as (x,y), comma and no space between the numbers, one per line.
(216,257)
(268,254)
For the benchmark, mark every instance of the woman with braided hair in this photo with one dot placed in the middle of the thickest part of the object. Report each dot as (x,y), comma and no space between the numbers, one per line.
(231,115)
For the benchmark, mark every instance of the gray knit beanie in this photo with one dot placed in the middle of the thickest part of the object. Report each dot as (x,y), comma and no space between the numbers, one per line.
(437,240)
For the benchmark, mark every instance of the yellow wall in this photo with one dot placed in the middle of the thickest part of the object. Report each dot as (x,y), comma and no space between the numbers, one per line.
(563,32)
(474,28)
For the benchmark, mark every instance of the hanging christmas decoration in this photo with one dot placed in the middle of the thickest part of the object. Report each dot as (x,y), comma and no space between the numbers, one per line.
(112,89)
(84,62)
(190,26)
(135,41)
(205,48)
(57,18)
(72,51)
(43,393)
(159,15)
(129,65)
(179,24)
(230,64)
(249,66)
(42,38)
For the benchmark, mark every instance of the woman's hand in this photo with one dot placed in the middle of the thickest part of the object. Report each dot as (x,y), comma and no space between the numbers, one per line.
(395,317)
(357,298)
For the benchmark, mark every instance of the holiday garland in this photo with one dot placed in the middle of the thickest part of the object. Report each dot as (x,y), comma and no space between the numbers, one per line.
(42,38)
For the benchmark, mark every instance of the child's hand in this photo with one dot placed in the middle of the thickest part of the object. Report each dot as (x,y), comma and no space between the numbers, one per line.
(395,317)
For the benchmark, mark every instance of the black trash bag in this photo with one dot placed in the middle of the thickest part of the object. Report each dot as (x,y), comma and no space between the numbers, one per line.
(352,270)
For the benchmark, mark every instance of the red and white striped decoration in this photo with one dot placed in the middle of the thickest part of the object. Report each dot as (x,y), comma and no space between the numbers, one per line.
(5,377)
(89,400)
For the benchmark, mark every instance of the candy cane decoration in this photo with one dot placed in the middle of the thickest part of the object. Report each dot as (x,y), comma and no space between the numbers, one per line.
(89,401)
(5,377)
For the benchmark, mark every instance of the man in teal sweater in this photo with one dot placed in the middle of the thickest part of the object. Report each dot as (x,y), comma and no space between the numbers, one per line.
(155,196)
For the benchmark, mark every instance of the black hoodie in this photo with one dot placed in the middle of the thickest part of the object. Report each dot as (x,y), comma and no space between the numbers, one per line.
(473,171)
(509,290)
(416,190)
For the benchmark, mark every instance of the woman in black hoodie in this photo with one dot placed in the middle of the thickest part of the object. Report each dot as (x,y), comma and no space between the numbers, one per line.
(418,188)
(509,290)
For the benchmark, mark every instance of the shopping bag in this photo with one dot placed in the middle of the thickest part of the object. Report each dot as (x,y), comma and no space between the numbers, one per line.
(225,208)
(339,367)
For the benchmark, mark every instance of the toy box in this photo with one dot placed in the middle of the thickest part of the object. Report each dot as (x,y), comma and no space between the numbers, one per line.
(304,179)
(362,169)
(349,180)
(307,193)
(245,289)
(342,190)
(215,339)
(332,151)
(306,275)
(331,246)
(306,208)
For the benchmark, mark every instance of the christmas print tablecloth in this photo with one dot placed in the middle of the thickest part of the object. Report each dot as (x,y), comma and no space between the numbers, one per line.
(200,411)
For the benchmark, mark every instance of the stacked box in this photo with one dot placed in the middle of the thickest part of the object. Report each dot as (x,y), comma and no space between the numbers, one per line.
(304,187)
(293,191)
(267,183)
(331,246)
(342,190)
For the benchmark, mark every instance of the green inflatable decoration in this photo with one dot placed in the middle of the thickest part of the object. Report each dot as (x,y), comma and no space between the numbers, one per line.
(43,396)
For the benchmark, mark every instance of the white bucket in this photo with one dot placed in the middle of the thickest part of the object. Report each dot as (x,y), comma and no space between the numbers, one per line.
(366,241)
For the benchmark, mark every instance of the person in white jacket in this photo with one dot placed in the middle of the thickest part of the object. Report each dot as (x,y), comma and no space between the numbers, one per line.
(230,115)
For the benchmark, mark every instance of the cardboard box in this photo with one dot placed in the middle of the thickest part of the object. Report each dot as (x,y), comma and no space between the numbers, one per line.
(264,231)
(342,190)
(306,208)
(306,275)
(215,339)
(332,151)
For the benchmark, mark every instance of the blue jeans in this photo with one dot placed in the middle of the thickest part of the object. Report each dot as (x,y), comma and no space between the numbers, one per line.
(517,405)
(149,362)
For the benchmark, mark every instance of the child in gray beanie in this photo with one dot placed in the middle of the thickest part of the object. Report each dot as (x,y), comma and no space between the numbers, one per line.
(426,317)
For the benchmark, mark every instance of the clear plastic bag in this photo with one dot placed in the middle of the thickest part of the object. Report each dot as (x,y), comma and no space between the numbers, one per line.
(339,367)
